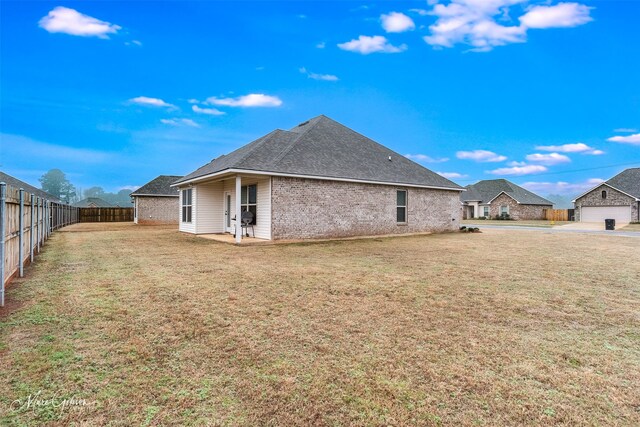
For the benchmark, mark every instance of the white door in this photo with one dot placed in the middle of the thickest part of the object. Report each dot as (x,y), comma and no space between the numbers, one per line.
(622,214)
(228,224)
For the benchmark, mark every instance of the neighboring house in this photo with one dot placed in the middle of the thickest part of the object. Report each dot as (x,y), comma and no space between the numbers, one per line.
(317,180)
(495,197)
(156,202)
(617,198)
(93,202)
(16,183)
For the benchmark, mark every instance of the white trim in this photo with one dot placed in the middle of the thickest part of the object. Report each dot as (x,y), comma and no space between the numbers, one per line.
(608,185)
(325,178)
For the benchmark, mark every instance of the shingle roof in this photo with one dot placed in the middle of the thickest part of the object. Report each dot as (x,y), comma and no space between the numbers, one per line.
(322,147)
(160,186)
(95,201)
(627,181)
(15,182)
(487,190)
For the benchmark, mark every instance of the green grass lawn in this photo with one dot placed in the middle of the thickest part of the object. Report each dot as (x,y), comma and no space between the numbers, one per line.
(151,327)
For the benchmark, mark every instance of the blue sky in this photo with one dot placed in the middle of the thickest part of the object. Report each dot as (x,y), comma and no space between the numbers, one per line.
(543,93)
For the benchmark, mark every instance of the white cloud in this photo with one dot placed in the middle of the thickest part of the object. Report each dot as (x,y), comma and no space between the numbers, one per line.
(425,159)
(475,22)
(421,12)
(625,130)
(557,16)
(180,122)
(18,145)
(251,100)
(366,45)
(571,148)
(514,163)
(481,156)
(70,21)
(452,175)
(152,102)
(396,22)
(314,76)
(519,170)
(629,139)
(321,45)
(209,111)
(134,42)
(562,187)
(548,159)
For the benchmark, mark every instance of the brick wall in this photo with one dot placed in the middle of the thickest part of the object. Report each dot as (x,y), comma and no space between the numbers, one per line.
(307,208)
(517,211)
(157,210)
(614,198)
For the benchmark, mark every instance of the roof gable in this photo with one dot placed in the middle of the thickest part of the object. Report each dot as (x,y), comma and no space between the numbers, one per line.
(93,202)
(322,147)
(159,186)
(487,190)
(627,181)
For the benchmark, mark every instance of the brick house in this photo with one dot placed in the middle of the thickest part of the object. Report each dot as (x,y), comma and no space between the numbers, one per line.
(494,197)
(156,202)
(93,202)
(617,198)
(317,180)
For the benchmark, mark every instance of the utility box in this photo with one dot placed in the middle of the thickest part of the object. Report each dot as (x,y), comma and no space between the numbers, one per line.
(609,224)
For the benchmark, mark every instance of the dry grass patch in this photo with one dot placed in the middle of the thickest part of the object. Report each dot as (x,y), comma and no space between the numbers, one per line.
(528,223)
(153,327)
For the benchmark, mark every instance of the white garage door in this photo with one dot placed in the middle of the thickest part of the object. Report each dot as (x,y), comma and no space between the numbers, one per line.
(622,214)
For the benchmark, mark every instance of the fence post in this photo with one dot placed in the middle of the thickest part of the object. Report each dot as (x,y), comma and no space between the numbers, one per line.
(37,224)
(21,235)
(3,197)
(33,202)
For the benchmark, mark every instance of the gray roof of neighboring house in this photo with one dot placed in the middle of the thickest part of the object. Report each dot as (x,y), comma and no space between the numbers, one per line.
(627,181)
(322,147)
(487,190)
(98,202)
(160,186)
(16,183)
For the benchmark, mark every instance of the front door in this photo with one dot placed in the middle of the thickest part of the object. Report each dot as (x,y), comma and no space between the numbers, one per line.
(227,212)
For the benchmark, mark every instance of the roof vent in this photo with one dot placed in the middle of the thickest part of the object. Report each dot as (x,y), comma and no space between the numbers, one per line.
(303,123)
(389,158)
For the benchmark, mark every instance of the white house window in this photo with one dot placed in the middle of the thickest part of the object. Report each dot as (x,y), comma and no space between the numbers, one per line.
(401,206)
(485,211)
(504,210)
(186,204)
(604,194)
(249,200)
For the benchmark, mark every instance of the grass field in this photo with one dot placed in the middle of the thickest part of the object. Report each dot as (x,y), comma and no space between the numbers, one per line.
(151,327)
(529,223)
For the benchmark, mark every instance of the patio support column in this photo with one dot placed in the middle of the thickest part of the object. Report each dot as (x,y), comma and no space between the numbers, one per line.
(238,209)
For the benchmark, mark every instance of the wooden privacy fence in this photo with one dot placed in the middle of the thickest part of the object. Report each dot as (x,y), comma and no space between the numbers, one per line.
(26,222)
(106,214)
(558,214)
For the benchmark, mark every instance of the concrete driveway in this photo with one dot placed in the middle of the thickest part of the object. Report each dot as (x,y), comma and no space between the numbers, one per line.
(588,226)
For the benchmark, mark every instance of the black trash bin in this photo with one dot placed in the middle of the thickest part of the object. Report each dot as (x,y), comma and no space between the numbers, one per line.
(609,224)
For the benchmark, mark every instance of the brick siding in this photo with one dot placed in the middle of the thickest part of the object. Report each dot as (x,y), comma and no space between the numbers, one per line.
(614,198)
(157,210)
(517,211)
(307,208)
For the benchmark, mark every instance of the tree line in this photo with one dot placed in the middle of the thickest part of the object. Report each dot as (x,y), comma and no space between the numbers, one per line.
(55,182)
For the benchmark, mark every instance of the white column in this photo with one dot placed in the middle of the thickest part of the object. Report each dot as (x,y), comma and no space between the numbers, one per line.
(238,209)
